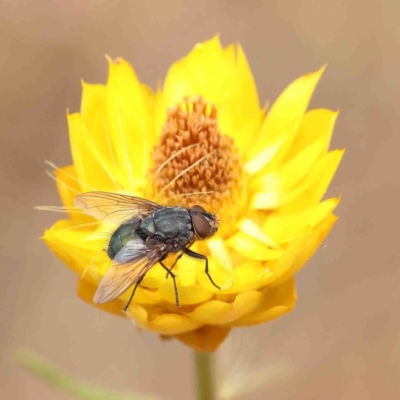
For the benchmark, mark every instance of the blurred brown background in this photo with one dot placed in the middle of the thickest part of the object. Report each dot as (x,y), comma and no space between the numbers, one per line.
(343,340)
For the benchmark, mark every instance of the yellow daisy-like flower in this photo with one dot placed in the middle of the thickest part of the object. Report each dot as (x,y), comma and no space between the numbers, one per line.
(203,139)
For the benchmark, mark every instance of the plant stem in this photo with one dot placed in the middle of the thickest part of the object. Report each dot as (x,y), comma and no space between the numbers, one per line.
(204,383)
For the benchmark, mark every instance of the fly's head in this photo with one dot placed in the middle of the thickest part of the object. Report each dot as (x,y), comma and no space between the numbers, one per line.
(204,223)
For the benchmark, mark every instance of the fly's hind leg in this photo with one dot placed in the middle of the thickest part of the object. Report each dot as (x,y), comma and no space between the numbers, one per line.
(173,265)
(193,254)
(173,278)
(133,293)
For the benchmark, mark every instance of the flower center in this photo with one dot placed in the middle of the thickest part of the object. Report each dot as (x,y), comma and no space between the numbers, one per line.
(193,163)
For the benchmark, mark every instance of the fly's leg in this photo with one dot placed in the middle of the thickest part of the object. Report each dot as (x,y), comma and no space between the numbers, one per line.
(191,253)
(133,293)
(173,277)
(173,265)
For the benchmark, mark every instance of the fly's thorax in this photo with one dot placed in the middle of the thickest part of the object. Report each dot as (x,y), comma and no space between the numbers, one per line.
(170,224)
(122,236)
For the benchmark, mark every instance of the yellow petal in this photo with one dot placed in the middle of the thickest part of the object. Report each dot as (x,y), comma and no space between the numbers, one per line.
(290,173)
(68,188)
(67,185)
(250,228)
(188,295)
(216,312)
(283,121)
(94,114)
(186,270)
(221,275)
(130,122)
(301,250)
(274,303)
(142,296)
(239,113)
(264,157)
(247,275)
(307,192)
(206,338)
(199,73)
(86,291)
(222,77)
(93,111)
(146,294)
(220,252)
(316,124)
(69,244)
(91,170)
(314,185)
(284,228)
(252,248)
(158,321)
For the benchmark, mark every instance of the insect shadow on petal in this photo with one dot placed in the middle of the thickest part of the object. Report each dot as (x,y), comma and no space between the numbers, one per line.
(148,232)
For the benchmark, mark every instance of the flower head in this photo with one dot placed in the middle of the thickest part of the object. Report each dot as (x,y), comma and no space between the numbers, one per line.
(203,139)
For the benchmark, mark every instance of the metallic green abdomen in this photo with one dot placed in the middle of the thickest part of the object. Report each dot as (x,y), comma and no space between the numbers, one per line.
(121,237)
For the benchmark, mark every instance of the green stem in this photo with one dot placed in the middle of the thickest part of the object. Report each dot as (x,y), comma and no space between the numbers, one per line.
(204,383)
(77,389)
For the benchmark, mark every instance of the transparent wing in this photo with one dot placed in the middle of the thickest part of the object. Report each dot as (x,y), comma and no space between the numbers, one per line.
(133,251)
(131,264)
(113,207)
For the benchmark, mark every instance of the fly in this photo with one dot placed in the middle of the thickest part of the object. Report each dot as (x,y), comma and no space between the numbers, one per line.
(147,234)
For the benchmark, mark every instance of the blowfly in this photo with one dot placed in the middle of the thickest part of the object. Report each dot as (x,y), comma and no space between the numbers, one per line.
(147,234)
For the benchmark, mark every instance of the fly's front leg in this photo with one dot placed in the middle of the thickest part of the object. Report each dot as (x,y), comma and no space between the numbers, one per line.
(193,254)
(173,277)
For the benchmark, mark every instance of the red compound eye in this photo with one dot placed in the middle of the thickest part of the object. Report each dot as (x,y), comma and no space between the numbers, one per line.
(200,223)
(201,226)
(198,209)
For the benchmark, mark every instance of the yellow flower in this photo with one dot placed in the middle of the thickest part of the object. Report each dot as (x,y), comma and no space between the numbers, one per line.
(263,173)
